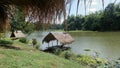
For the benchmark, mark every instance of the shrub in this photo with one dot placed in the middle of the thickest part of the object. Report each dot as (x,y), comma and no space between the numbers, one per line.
(37,46)
(23,40)
(57,51)
(54,50)
(34,42)
(5,42)
(67,55)
(86,60)
(2,35)
(87,50)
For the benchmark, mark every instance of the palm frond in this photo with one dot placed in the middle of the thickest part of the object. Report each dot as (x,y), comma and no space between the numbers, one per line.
(46,11)
(103,3)
(77,6)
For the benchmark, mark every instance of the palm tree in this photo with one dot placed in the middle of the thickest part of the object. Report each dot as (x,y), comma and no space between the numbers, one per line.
(3,17)
(45,10)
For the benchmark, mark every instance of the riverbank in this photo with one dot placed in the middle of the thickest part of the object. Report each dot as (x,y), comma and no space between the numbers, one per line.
(105,43)
(78,31)
(20,55)
(71,31)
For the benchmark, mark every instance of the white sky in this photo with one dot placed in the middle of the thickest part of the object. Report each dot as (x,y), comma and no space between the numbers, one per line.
(96,5)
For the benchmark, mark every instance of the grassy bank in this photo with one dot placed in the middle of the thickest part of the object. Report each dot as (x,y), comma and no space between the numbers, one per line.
(20,55)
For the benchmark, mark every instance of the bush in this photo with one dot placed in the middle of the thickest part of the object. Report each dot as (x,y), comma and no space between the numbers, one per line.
(23,40)
(68,55)
(57,51)
(54,50)
(5,42)
(2,35)
(34,42)
(90,61)
(37,46)
(86,60)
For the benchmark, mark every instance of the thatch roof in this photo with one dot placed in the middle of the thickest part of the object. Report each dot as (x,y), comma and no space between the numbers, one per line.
(17,34)
(63,38)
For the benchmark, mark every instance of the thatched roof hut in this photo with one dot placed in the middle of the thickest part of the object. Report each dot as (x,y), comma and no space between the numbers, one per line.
(63,38)
(17,34)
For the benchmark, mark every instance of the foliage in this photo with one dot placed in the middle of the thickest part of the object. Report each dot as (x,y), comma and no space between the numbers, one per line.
(57,51)
(54,50)
(87,50)
(56,26)
(67,55)
(37,47)
(105,20)
(2,35)
(86,60)
(17,21)
(23,40)
(29,57)
(34,42)
(29,28)
(5,42)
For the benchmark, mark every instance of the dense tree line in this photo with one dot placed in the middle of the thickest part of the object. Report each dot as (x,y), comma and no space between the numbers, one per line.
(105,20)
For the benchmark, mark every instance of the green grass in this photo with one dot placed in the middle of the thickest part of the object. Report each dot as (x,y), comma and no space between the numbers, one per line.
(28,57)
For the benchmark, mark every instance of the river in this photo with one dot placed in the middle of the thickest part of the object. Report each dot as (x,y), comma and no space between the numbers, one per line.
(105,44)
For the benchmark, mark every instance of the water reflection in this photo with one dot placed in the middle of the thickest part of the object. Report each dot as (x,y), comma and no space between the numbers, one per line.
(107,44)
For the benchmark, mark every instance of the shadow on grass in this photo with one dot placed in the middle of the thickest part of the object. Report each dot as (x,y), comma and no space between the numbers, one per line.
(54,48)
(10,47)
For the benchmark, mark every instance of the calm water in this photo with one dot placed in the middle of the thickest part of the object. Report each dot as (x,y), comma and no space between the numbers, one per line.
(106,44)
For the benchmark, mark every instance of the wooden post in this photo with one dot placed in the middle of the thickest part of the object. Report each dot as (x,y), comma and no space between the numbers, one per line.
(65,25)
(62,45)
(57,42)
(52,43)
(48,44)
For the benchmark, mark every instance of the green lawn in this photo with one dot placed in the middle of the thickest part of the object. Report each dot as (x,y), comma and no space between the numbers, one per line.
(23,56)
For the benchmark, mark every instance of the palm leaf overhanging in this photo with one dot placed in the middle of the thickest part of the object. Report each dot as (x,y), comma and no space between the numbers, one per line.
(45,11)
(42,9)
